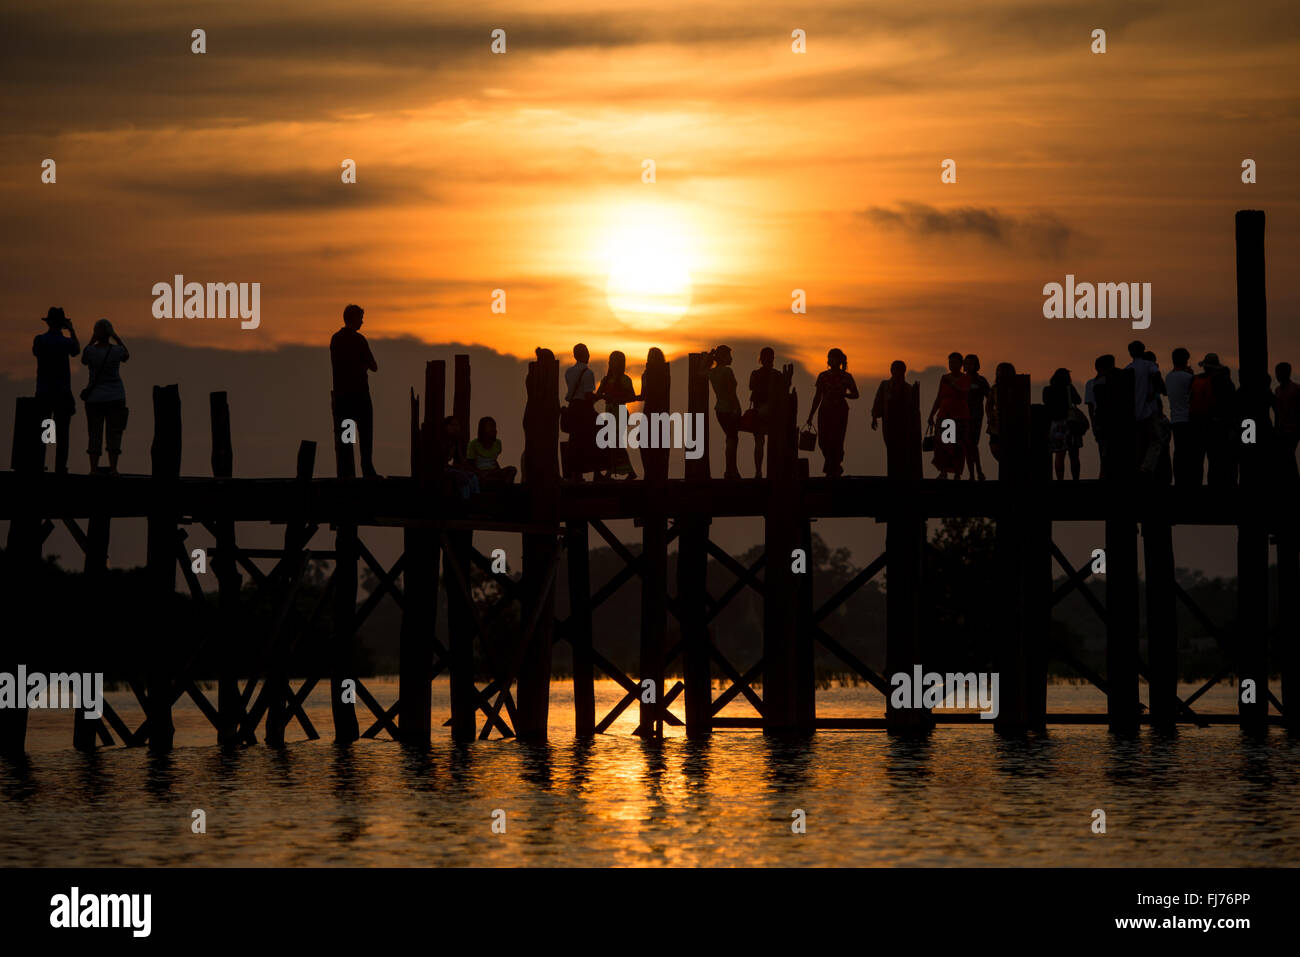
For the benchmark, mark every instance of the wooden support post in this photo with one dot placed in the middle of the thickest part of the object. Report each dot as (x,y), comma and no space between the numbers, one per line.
(1116,414)
(904,546)
(27,451)
(693,567)
(1162,620)
(419,622)
(1252,535)
(654,611)
(345,599)
(1014,531)
(584,689)
(781,626)
(455,546)
(23,559)
(229,581)
(85,731)
(461,629)
(1288,619)
(655,386)
(1036,570)
(805,675)
(296,535)
(420,576)
(541,472)
(161,564)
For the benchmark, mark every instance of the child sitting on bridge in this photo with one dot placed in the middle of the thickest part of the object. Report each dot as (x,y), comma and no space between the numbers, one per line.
(483,452)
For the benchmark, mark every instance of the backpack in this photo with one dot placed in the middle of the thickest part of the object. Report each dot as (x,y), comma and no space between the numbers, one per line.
(1202,396)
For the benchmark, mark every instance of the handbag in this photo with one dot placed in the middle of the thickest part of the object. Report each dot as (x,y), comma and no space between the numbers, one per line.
(1077,421)
(747,419)
(927,443)
(807,439)
(95,378)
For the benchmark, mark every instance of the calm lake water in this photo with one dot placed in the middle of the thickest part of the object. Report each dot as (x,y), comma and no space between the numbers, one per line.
(1207,797)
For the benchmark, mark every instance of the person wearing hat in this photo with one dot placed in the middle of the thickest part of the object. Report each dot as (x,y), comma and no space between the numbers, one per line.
(52,349)
(1210,414)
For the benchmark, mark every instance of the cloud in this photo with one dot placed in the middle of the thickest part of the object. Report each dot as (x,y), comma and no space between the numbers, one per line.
(1042,234)
(296,191)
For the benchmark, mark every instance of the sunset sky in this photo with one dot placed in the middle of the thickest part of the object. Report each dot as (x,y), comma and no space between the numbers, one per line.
(775,171)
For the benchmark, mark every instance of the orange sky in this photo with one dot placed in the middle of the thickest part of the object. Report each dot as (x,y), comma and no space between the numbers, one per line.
(775,171)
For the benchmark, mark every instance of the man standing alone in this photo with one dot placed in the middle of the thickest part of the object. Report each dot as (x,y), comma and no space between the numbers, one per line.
(53,349)
(351,359)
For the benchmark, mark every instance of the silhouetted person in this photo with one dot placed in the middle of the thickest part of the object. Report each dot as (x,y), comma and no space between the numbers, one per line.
(579,394)
(1210,412)
(351,359)
(891,395)
(1065,434)
(483,453)
(1156,460)
(1148,386)
(952,401)
(654,398)
(1004,372)
(830,401)
(1286,418)
(52,350)
(462,475)
(726,405)
(1104,365)
(1178,385)
(979,394)
(617,391)
(105,394)
(763,385)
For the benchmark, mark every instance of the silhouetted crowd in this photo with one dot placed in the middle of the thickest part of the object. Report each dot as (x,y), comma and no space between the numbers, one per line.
(1188,425)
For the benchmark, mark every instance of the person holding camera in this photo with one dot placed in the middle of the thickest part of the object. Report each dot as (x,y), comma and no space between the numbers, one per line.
(52,350)
(105,395)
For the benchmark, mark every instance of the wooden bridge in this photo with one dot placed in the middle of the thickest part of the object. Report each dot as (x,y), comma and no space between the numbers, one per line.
(556,520)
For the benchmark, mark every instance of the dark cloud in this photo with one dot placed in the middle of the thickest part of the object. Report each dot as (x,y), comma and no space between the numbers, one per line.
(1042,234)
(300,191)
(73,66)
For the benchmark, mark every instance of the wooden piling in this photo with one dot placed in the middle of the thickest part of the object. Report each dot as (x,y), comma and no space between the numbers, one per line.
(541,549)
(693,566)
(85,731)
(456,545)
(1116,413)
(1288,620)
(781,626)
(654,560)
(905,536)
(23,556)
(576,533)
(1011,550)
(344,606)
(1162,621)
(229,581)
(1255,458)
(297,533)
(161,564)
(1036,572)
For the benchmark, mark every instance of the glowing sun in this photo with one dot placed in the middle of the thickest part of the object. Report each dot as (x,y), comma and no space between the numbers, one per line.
(649,277)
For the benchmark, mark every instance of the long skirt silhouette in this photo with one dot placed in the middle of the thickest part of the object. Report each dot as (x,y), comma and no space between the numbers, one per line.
(832,424)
